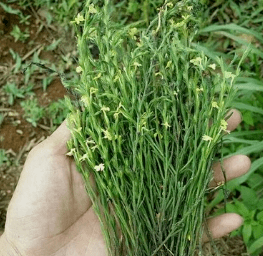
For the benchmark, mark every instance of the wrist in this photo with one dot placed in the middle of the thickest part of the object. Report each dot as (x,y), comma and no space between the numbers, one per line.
(6,249)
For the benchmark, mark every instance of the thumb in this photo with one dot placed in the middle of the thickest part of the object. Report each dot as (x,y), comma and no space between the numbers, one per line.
(59,139)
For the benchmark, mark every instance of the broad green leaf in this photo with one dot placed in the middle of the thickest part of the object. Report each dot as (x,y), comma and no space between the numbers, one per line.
(260,217)
(242,209)
(248,119)
(231,208)
(255,181)
(246,232)
(249,196)
(257,231)
(256,245)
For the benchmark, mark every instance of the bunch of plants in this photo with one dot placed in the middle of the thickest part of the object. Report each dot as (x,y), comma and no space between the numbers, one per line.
(148,119)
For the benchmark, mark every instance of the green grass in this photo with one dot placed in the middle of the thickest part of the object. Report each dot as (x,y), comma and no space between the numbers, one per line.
(19,35)
(32,111)
(145,106)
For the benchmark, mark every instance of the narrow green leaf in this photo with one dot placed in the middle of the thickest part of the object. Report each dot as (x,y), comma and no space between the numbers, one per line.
(244,106)
(249,86)
(234,27)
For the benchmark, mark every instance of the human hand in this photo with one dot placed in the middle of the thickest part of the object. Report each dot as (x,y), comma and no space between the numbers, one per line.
(51,214)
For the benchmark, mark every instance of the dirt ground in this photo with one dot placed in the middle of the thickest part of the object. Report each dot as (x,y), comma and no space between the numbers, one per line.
(17,136)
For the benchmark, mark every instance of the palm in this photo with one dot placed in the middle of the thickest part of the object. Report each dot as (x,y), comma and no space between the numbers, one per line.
(51,210)
(51,214)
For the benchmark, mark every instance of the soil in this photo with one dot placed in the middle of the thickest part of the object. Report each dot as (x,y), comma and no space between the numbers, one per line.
(17,136)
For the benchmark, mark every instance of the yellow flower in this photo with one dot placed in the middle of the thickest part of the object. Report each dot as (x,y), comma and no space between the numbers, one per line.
(214,104)
(70,153)
(159,74)
(223,125)
(207,138)
(166,125)
(200,89)
(108,135)
(79,69)
(97,77)
(99,167)
(93,90)
(115,78)
(213,66)
(169,63)
(85,156)
(79,18)
(90,142)
(133,32)
(136,64)
(92,9)
(229,75)
(104,109)
(170,5)
(196,61)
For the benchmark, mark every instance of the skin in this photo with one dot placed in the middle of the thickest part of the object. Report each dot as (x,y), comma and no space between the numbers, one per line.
(50,213)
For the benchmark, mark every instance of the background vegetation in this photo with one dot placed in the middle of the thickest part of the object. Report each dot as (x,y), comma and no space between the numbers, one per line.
(32,103)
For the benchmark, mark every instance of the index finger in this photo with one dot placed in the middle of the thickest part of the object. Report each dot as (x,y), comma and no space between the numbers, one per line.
(234,120)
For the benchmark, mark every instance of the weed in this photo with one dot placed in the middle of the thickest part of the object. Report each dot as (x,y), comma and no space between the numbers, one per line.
(3,157)
(19,35)
(9,9)
(142,127)
(57,112)
(32,111)
(13,92)
(46,81)
(17,59)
